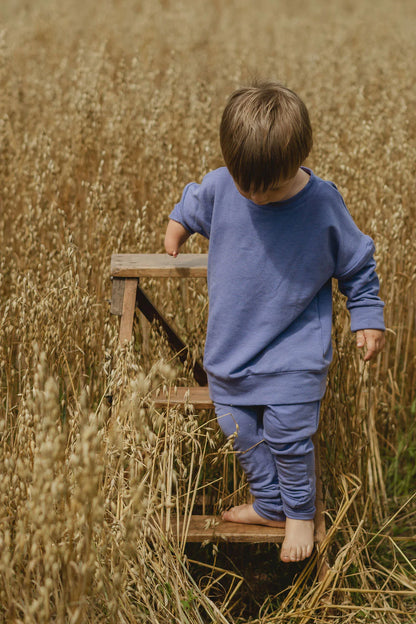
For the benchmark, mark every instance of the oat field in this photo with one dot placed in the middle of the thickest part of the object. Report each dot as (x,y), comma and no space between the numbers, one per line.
(107,109)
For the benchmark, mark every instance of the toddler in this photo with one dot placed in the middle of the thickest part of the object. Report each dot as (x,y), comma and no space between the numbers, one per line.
(277,234)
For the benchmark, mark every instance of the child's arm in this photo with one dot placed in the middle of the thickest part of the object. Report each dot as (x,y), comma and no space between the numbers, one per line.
(176,235)
(366,308)
(372,339)
(193,214)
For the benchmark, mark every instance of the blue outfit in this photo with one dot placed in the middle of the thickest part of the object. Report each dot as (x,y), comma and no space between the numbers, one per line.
(270,271)
(276,452)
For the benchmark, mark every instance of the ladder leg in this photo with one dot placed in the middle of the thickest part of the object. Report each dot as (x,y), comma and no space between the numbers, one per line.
(129,305)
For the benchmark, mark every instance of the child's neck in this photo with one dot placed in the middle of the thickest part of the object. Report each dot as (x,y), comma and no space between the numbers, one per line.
(299,181)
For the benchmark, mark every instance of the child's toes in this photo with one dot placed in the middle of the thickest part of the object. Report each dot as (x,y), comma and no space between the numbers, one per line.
(295,553)
(306,552)
(285,555)
(289,554)
(298,554)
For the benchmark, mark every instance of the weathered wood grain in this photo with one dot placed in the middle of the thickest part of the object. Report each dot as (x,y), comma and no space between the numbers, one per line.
(117,296)
(159,265)
(212,528)
(129,306)
(196,396)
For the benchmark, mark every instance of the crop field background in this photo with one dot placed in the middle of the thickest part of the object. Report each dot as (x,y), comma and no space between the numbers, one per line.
(107,109)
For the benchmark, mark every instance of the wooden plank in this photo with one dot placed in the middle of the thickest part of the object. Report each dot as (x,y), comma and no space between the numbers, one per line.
(117,296)
(159,265)
(129,306)
(197,396)
(150,311)
(212,528)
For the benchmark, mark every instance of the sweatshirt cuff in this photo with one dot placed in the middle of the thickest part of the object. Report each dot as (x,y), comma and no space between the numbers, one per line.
(367,317)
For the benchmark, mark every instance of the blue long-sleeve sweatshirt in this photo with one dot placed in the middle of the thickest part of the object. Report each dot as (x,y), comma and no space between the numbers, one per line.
(270,271)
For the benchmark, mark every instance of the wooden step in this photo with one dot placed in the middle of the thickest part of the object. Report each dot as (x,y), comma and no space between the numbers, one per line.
(212,528)
(159,265)
(197,396)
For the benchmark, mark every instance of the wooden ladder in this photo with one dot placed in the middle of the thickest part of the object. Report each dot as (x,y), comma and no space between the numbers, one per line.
(127,296)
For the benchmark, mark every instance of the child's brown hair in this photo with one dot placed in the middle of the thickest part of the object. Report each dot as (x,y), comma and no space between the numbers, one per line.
(265,135)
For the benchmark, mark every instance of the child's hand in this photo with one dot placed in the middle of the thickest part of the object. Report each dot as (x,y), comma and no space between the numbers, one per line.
(172,250)
(372,339)
(175,236)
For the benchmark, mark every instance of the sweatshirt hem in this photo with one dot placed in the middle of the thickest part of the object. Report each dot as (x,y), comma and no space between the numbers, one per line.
(286,388)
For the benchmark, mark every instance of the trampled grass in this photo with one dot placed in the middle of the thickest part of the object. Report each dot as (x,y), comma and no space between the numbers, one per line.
(106,111)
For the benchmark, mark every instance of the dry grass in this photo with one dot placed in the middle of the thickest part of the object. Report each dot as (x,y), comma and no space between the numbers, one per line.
(106,111)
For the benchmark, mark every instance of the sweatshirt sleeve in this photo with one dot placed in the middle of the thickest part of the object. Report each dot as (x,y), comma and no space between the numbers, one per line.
(361,289)
(194,211)
(355,270)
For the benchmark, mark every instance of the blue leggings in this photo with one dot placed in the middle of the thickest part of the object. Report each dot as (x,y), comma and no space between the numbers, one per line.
(275,449)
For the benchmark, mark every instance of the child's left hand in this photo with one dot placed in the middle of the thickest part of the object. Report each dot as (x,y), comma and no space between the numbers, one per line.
(373,339)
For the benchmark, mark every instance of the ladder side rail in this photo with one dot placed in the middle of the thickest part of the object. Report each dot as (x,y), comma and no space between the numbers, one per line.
(150,311)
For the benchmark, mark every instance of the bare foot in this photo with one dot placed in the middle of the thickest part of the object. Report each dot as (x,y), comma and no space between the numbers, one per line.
(298,542)
(247,515)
